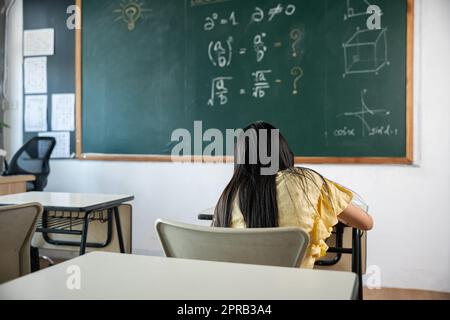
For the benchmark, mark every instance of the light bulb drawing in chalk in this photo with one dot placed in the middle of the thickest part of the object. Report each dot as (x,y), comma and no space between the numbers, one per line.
(130,12)
(366,113)
(296,36)
(297,73)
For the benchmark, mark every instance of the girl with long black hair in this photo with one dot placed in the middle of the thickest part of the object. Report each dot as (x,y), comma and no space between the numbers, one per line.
(291,197)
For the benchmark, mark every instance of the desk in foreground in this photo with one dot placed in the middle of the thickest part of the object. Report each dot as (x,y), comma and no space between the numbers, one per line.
(86,204)
(115,276)
(60,201)
(14,184)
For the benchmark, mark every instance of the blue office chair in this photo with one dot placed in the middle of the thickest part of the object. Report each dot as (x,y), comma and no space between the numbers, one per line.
(33,159)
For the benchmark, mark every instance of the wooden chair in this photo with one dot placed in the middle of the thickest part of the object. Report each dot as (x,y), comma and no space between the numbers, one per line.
(17,226)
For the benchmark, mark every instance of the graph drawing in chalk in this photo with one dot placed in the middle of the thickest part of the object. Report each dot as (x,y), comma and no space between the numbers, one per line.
(366,52)
(365,113)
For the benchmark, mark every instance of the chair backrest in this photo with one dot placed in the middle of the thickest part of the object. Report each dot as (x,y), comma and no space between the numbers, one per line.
(283,247)
(17,226)
(33,158)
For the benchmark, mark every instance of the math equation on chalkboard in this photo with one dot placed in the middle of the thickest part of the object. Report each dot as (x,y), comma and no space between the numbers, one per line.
(325,58)
(241,47)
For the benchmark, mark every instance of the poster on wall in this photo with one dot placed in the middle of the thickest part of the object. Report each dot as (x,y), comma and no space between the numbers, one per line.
(63,112)
(62,147)
(35,113)
(40,42)
(35,74)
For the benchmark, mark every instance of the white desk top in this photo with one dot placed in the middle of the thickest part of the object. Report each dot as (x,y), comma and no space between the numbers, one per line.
(65,201)
(116,276)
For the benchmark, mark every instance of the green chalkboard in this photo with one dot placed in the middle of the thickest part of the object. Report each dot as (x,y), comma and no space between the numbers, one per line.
(336,89)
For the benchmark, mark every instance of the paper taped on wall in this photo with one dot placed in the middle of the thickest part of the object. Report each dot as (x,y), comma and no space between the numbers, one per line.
(35,74)
(63,112)
(62,148)
(36,113)
(39,42)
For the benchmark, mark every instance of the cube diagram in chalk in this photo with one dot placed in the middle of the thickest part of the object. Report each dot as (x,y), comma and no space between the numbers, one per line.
(366,52)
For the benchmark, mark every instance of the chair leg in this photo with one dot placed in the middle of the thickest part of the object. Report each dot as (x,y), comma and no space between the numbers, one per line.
(34,259)
(49,260)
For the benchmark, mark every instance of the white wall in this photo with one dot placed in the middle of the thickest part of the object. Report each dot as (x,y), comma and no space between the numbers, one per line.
(410,204)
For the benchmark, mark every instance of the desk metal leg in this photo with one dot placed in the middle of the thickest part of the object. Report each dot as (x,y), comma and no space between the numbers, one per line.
(356,260)
(119,229)
(360,275)
(84,234)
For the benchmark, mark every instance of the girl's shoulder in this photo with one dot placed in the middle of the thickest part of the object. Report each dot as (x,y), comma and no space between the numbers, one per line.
(307,178)
(300,173)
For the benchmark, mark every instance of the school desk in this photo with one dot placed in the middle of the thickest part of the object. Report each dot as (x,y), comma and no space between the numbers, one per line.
(64,213)
(114,276)
(14,184)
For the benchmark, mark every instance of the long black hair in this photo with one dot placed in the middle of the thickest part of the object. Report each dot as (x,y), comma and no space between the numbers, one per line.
(256,192)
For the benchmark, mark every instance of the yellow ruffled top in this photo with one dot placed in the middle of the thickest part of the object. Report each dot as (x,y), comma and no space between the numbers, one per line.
(311,203)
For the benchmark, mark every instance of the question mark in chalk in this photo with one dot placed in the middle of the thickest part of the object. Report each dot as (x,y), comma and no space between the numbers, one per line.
(296,72)
(296,36)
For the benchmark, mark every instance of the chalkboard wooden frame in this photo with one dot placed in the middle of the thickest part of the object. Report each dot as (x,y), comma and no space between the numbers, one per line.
(408,159)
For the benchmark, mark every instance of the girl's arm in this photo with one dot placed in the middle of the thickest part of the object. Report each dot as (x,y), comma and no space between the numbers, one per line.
(355,217)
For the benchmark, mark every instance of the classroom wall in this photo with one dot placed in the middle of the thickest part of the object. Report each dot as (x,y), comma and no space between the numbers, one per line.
(410,204)
(2,62)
